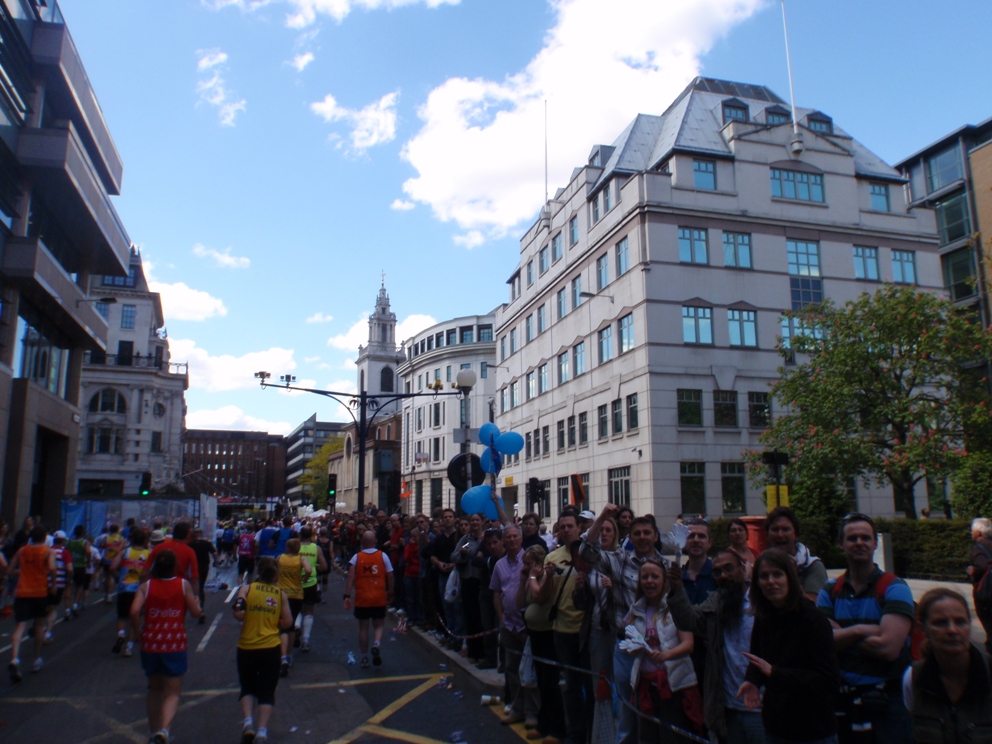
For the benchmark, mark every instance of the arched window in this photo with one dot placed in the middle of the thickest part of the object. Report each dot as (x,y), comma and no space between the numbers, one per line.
(386,380)
(347,447)
(389,431)
(108,400)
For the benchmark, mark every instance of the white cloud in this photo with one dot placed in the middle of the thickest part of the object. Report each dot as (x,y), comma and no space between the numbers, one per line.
(320,318)
(213,90)
(223,258)
(498,126)
(372,125)
(402,205)
(304,13)
(300,61)
(471,239)
(181,302)
(225,372)
(233,418)
(358,334)
(311,360)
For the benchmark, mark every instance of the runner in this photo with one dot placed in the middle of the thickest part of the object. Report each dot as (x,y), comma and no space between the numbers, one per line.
(79,547)
(92,567)
(371,576)
(204,550)
(292,568)
(311,592)
(34,567)
(129,563)
(63,583)
(186,565)
(263,610)
(246,555)
(164,601)
(112,545)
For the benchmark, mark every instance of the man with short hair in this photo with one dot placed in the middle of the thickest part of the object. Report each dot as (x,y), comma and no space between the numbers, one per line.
(187,566)
(371,579)
(724,621)
(311,594)
(623,568)
(205,554)
(265,540)
(782,528)
(79,547)
(872,614)
(440,555)
(697,578)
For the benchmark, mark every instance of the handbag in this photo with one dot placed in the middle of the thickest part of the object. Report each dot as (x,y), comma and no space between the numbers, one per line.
(453,587)
(528,673)
(553,612)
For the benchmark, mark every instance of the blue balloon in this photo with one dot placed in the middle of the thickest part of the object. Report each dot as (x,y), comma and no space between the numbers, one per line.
(490,508)
(488,433)
(491,461)
(509,443)
(474,500)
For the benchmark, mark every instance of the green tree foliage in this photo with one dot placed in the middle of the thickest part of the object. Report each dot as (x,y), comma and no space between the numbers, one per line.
(314,478)
(891,387)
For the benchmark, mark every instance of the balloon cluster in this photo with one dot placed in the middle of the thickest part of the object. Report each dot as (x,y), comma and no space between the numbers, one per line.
(479,498)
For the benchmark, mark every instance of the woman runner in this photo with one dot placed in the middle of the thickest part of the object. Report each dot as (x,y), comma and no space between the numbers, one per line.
(292,568)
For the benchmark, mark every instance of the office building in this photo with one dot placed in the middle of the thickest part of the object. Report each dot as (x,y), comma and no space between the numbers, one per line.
(245,468)
(302,444)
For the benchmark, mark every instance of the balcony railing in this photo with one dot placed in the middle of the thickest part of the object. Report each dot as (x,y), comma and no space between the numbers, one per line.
(135,360)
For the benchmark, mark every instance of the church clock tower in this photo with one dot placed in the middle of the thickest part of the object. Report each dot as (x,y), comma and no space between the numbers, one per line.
(377,362)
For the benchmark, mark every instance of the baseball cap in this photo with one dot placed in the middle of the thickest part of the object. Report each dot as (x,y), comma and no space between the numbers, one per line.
(156,537)
(60,535)
(587,515)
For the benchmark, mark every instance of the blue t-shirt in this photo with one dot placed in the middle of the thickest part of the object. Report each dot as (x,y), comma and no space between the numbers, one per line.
(699,588)
(856,667)
(264,538)
(285,534)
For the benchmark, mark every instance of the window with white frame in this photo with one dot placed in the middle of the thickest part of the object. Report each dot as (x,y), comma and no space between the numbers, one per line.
(573,231)
(734,491)
(618,480)
(603,413)
(531,386)
(583,428)
(563,365)
(542,378)
(631,411)
(904,267)
(579,358)
(542,319)
(542,260)
(697,325)
(576,291)
(513,340)
(865,263)
(737,250)
(602,272)
(528,329)
(605,344)
(556,242)
(626,327)
(561,303)
(530,273)
(622,257)
(692,246)
(743,327)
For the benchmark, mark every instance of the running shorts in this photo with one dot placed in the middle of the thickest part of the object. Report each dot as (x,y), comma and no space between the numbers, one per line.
(164,665)
(124,601)
(370,613)
(30,608)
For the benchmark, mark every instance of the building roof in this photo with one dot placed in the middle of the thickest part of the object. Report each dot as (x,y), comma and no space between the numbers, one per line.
(976,130)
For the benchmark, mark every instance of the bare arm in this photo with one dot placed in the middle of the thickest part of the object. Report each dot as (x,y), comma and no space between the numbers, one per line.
(348,586)
(889,642)
(503,518)
(192,601)
(239,615)
(305,564)
(547,586)
(498,605)
(286,618)
(138,603)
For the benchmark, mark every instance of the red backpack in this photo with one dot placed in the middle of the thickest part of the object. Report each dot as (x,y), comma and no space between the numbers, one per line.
(916,636)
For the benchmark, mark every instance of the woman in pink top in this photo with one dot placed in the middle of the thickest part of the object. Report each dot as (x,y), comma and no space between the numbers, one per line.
(163,601)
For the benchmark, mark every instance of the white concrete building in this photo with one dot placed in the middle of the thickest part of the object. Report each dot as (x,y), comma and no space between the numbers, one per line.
(433,356)
(133,397)
(639,337)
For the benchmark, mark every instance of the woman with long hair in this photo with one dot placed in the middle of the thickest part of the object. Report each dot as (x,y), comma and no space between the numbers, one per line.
(737,542)
(948,692)
(163,602)
(792,657)
(262,608)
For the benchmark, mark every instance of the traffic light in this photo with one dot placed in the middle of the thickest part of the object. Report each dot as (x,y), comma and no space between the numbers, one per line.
(146,484)
(332,487)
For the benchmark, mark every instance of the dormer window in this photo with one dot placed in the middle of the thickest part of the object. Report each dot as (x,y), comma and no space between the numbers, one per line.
(734,110)
(775,115)
(820,124)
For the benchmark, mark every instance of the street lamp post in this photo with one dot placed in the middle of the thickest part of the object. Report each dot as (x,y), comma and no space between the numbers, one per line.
(363,401)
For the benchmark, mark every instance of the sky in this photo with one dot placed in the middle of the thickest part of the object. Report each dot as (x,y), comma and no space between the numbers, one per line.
(281,156)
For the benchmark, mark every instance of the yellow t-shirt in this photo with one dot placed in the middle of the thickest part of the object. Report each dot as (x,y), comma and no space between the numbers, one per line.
(569,618)
(260,628)
(290,574)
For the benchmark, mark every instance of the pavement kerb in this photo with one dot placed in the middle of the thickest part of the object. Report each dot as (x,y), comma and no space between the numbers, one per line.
(480,681)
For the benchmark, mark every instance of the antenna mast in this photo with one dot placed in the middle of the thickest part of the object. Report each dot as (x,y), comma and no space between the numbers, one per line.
(797,140)
(545,150)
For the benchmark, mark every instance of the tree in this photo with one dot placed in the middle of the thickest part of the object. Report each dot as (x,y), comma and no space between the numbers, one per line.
(314,475)
(890,386)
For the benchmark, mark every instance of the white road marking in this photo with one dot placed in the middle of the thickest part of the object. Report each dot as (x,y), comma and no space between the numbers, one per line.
(231,595)
(210,632)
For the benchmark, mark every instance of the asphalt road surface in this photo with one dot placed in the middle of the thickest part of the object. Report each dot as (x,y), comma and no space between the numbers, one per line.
(85,694)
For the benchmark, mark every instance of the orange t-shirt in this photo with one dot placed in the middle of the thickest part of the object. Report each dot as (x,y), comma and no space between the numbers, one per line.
(370,579)
(33,580)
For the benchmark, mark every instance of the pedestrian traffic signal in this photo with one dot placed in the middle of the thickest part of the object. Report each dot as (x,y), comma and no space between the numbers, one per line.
(146,484)
(332,486)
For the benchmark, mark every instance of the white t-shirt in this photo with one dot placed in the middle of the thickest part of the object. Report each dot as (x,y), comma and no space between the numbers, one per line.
(385,559)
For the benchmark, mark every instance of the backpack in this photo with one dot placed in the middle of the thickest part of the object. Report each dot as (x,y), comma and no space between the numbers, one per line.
(916,636)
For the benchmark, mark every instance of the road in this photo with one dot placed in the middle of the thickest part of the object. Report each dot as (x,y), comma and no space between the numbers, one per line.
(85,694)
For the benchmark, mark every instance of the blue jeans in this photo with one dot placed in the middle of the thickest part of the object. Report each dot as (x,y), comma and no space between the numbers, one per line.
(892,726)
(743,727)
(623,665)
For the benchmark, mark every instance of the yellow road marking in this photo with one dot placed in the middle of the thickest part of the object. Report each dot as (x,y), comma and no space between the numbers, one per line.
(36,700)
(398,735)
(394,706)
(372,681)
(518,728)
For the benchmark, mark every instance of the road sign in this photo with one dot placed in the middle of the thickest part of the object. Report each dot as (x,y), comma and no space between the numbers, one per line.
(457,474)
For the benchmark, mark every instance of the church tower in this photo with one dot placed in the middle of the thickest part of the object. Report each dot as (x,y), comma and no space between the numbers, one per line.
(377,362)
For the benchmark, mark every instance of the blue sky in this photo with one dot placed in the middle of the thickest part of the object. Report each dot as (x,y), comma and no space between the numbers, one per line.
(280,154)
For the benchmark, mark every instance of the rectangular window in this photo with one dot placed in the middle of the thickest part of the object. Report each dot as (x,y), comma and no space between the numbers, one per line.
(561,435)
(904,267)
(420,419)
(485,333)
(734,113)
(693,487)
(542,379)
(605,344)
(546,439)
(128,313)
(435,414)
(537,442)
(618,480)
(531,386)
(804,261)
(959,273)
(504,400)
(556,243)
(528,329)
(502,350)
(595,209)
(822,126)
(608,197)
(542,319)
(452,337)
(775,118)
(697,325)
(106,441)
(865,263)
(704,173)
(602,273)
(623,257)
(952,218)
(577,291)
(944,168)
(879,196)
(528,447)
(514,393)
(797,185)
(571,431)
(737,250)
(564,495)
(604,421)
(743,326)
(436,449)
(725,408)
(692,246)
(733,487)
(467,335)
(573,231)
(530,273)
(631,411)
(690,407)
(583,428)
(484,370)
(561,303)
(579,358)
(542,260)
(617,411)
(626,325)
(156,441)
(513,340)
(759,410)
(563,368)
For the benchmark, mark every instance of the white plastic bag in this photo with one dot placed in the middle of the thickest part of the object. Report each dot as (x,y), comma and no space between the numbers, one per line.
(528,674)
(453,589)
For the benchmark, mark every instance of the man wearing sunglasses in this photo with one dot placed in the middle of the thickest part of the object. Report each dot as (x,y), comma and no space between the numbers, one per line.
(871,612)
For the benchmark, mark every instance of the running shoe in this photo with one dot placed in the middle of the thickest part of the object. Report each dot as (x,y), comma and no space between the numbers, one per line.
(305,646)
(68,615)
(365,662)
(376,656)
(261,738)
(38,664)
(284,668)
(129,649)
(247,735)
(118,644)
(15,671)
(48,639)
(160,737)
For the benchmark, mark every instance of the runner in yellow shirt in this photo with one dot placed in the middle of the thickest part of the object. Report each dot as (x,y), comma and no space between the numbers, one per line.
(129,563)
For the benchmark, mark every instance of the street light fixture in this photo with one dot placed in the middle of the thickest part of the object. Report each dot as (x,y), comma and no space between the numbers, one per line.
(590,295)
(98,300)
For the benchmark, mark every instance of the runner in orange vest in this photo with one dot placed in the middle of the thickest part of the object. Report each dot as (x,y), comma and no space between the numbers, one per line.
(371,577)
(34,566)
